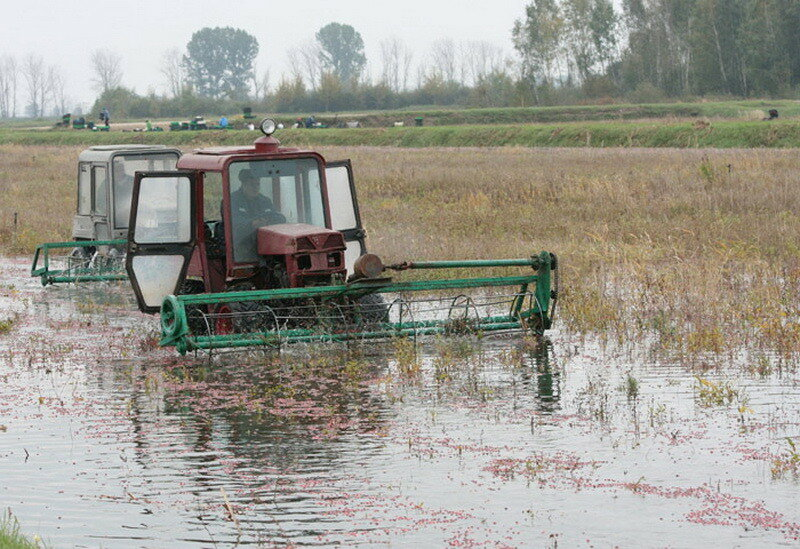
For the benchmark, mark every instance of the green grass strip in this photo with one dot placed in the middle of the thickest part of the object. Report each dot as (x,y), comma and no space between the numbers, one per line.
(722,134)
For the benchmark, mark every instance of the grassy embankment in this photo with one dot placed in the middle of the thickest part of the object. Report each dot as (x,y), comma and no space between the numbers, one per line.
(746,110)
(782,134)
(453,116)
(696,251)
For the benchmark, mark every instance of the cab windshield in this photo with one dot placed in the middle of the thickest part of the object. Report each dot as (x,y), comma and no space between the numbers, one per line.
(124,168)
(269,192)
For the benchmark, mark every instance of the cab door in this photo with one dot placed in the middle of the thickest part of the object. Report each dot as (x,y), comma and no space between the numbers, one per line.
(161,235)
(345,216)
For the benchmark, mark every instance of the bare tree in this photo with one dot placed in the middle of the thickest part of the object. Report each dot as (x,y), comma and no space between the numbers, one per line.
(396,59)
(305,63)
(8,87)
(261,86)
(443,54)
(107,70)
(34,72)
(56,87)
(480,59)
(311,55)
(173,70)
(295,64)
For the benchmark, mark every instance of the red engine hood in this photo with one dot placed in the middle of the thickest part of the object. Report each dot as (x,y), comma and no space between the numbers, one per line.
(292,238)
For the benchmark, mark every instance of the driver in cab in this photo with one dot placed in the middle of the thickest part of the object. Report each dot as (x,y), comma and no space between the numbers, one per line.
(251,209)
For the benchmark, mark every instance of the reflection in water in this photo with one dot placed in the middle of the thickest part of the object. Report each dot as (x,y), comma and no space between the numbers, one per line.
(546,382)
(265,431)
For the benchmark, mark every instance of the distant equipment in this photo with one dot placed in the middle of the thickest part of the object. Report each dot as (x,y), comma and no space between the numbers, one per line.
(65,121)
(100,226)
(197,123)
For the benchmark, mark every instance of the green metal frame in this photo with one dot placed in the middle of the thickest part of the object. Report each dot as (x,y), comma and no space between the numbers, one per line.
(537,317)
(56,276)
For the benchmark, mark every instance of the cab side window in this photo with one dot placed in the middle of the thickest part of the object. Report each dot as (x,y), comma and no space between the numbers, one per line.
(100,188)
(212,215)
(212,196)
(84,189)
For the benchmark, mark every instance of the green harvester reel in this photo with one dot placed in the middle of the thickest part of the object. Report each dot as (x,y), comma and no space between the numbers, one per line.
(370,308)
(78,261)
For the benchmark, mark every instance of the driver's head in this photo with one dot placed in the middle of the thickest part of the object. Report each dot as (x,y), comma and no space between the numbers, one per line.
(249,182)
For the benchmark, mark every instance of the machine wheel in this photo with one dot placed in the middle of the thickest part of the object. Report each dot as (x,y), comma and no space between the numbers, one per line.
(372,309)
(195,313)
(81,252)
(80,257)
(253,316)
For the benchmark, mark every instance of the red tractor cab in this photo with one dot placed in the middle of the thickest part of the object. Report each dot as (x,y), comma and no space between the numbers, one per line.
(243,218)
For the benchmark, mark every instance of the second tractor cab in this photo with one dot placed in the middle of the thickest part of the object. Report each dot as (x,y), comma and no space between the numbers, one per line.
(100,225)
(264,244)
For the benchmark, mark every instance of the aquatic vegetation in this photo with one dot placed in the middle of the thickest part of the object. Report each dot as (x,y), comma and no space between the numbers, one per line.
(787,463)
(631,387)
(760,365)
(711,393)
(405,353)
(6,325)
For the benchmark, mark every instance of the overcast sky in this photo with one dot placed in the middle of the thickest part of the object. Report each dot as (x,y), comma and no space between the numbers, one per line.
(65,32)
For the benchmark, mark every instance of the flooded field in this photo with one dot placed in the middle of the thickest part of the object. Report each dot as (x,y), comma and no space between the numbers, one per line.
(107,440)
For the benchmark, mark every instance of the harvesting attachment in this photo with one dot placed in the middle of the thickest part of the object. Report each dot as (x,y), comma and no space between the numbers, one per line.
(100,225)
(365,309)
(264,246)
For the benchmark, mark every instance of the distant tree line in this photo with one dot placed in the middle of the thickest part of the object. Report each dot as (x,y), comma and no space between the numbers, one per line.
(674,48)
(41,85)
(216,75)
(567,51)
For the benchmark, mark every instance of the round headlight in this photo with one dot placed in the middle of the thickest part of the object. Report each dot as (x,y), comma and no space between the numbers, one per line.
(268,126)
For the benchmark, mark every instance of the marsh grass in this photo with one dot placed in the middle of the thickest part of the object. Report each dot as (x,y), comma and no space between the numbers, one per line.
(788,462)
(12,538)
(631,387)
(695,252)
(38,184)
(7,324)
(722,393)
(406,357)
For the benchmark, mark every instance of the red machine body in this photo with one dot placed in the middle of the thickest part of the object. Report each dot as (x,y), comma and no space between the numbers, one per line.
(311,255)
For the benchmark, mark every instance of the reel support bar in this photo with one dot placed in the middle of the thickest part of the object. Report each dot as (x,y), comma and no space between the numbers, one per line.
(534,262)
(360,287)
